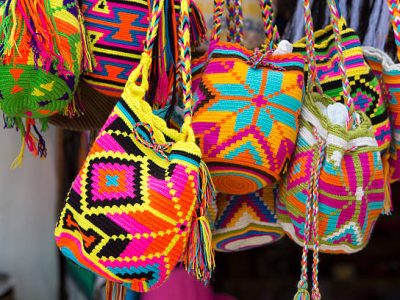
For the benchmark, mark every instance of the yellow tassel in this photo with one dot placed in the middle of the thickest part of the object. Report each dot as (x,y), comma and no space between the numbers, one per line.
(387,205)
(17,163)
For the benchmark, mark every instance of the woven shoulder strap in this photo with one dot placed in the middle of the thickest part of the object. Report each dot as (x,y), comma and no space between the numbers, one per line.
(135,91)
(311,226)
(394,9)
(235,22)
(311,57)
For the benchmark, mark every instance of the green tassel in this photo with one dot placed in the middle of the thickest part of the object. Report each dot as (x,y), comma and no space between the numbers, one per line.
(302,294)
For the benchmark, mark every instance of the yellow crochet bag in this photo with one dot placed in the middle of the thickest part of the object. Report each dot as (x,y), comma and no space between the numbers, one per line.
(137,205)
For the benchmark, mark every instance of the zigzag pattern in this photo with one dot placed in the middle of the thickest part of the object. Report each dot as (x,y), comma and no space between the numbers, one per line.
(246,221)
(350,185)
(245,119)
(117,32)
(389,73)
(365,88)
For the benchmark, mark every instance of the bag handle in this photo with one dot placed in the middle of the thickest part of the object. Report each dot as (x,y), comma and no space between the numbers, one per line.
(311,225)
(235,21)
(310,49)
(394,9)
(137,92)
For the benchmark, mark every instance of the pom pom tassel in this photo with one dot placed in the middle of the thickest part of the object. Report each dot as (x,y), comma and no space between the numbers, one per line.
(199,259)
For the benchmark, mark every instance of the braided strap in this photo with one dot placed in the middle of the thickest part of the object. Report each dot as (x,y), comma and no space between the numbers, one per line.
(142,70)
(235,22)
(394,9)
(335,17)
(310,48)
(217,19)
(185,68)
(270,29)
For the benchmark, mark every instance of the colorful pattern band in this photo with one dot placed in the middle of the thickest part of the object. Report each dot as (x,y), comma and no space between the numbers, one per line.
(246,221)
(389,75)
(365,89)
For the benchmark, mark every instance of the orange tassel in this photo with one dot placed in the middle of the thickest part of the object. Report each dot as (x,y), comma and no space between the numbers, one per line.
(388,205)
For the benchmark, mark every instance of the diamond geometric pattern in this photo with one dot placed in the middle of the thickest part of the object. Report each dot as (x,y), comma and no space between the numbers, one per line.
(129,210)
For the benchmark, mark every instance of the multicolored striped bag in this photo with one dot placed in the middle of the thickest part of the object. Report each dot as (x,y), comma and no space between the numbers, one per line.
(246,113)
(117,30)
(365,88)
(334,189)
(246,221)
(389,75)
(137,205)
(42,52)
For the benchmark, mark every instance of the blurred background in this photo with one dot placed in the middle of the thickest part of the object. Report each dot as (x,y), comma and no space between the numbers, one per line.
(30,198)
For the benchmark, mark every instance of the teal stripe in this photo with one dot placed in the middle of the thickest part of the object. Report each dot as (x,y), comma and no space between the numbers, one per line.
(183,158)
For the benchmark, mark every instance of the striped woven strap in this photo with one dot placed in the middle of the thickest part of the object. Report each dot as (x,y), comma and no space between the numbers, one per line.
(335,18)
(185,68)
(234,20)
(142,70)
(235,25)
(394,9)
(310,48)
(270,29)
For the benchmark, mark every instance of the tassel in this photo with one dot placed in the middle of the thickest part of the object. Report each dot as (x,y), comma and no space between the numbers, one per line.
(387,205)
(17,163)
(75,108)
(41,144)
(8,27)
(44,123)
(199,259)
(115,291)
(109,290)
(302,294)
(198,27)
(30,140)
(9,122)
(88,58)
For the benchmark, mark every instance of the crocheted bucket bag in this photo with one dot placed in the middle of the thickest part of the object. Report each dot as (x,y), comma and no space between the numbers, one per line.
(364,86)
(137,205)
(117,30)
(389,75)
(246,113)
(334,189)
(246,221)
(42,52)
